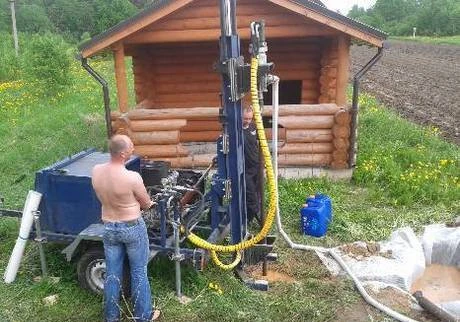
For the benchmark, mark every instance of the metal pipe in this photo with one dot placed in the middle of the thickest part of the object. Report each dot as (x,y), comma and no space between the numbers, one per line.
(434,309)
(177,258)
(105,90)
(354,106)
(41,240)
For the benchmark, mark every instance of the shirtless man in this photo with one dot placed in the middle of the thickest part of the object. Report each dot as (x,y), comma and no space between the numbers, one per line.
(123,195)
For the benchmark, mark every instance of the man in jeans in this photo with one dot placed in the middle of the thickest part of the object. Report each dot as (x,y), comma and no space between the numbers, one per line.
(123,195)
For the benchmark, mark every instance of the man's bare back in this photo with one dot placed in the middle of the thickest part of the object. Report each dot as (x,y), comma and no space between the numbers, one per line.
(120,191)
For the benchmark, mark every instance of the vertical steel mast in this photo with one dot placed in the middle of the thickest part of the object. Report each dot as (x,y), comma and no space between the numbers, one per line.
(232,121)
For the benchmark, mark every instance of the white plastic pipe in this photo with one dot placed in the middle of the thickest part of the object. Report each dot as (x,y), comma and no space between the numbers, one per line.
(334,255)
(31,205)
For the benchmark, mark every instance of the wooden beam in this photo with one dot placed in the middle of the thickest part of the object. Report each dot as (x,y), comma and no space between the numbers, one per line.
(340,26)
(343,69)
(195,113)
(133,27)
(120,76)
(192,35)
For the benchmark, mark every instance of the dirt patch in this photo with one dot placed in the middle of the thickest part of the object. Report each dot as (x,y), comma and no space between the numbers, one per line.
(419,81)
(360,311)
(272,276)
(360,250)
(401,303)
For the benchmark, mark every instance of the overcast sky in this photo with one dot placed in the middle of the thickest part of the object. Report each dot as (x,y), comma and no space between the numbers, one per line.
(345,5)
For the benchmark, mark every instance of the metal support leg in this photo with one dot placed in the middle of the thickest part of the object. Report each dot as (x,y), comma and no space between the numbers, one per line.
(177,258)
(41,240)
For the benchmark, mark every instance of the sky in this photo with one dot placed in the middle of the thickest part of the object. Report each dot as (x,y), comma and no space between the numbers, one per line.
(345,5)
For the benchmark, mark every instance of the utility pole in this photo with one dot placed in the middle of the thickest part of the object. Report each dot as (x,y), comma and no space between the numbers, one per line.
(15,31)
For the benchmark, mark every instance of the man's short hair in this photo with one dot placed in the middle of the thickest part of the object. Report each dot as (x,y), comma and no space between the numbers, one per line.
(247,108)
(118,144)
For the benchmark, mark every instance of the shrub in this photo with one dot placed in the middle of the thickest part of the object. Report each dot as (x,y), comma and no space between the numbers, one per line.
(9,63)
(47,62)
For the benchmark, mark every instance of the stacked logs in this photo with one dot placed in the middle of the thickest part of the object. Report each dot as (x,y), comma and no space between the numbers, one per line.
(311,135)
(341,142)
(328,77)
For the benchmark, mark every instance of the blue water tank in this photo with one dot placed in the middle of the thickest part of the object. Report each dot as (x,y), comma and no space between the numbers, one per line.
(316,215)
(69,203)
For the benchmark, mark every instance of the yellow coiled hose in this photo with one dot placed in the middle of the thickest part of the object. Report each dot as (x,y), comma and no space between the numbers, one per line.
(213,248)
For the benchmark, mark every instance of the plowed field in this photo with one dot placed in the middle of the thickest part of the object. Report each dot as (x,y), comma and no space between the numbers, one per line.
(420,81)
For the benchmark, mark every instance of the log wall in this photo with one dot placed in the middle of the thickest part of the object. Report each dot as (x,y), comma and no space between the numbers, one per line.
(177,90)
(328,73)
(311,135)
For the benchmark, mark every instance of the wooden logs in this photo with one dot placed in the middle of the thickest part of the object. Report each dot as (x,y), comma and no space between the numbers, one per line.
(195,113)
(154,138)
(304,159)
(329,72)
(341,143)
(198,160)
(342,117)
(157,125)
(281,134)
(343,67)
(340,131)
(309,94)
(339,164)
(120,76)
(307,122)
(201,136)
(308,136)
(340,155)
(159,151)
(306,148)
(202,125)
(302,109)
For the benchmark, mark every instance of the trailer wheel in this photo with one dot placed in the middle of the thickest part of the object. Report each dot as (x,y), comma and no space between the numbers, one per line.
(91,272)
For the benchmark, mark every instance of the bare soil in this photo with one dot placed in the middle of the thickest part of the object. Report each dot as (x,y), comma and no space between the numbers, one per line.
(419,81)
(439,283)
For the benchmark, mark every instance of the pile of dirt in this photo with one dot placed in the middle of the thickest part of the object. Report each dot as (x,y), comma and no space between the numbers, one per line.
(420,81)
(359,250)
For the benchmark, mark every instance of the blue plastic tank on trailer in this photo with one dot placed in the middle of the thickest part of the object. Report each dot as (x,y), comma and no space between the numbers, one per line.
(69,203)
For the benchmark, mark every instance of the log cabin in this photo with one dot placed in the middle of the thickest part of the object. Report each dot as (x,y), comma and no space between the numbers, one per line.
(173,45)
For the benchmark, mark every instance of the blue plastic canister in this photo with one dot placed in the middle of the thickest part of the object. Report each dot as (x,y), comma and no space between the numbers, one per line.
(321,199)
(314,219)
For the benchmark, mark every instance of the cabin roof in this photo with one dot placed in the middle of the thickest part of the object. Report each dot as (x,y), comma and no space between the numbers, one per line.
(315,10)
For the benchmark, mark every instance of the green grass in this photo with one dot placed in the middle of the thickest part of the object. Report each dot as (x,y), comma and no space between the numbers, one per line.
(37,130)
(450,40)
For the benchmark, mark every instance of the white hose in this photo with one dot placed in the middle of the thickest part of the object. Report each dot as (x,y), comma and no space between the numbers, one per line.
(330,251)
(31,205)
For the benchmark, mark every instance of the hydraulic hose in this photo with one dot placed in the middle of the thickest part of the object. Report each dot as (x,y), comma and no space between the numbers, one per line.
(271,183)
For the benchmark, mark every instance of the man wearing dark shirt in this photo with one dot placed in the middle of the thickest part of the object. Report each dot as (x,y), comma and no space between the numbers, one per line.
(252,164)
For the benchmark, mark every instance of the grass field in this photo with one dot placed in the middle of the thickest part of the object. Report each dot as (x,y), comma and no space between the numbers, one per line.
(451,40)
(406,175)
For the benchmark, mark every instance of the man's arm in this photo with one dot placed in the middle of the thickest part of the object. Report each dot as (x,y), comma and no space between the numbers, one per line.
(140,193)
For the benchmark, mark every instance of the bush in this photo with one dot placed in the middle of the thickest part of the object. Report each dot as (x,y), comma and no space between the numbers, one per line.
(9,63)
(47,61)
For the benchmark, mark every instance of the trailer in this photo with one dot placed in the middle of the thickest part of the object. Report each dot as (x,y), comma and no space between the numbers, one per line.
(70,213)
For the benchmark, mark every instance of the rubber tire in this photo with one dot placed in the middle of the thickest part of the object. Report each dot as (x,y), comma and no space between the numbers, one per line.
(92,257)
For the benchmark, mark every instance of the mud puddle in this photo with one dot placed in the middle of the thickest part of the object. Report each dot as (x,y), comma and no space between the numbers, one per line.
(439,283)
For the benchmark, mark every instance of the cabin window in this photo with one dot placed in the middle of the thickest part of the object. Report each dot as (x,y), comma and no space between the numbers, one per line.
(290,92)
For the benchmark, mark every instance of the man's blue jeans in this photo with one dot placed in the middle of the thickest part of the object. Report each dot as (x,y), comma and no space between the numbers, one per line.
(121,239)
